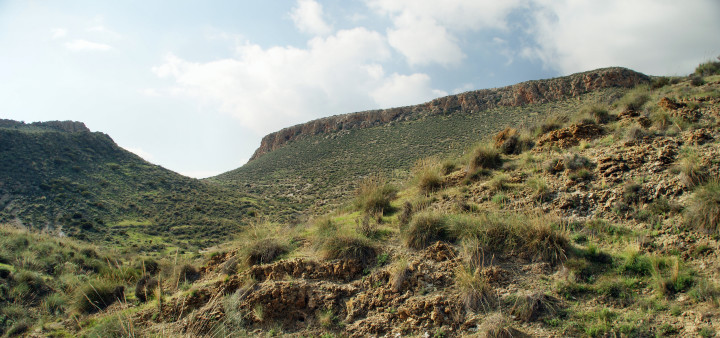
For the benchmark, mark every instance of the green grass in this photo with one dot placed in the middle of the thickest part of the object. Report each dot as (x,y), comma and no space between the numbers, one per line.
(88,185)
(329,168)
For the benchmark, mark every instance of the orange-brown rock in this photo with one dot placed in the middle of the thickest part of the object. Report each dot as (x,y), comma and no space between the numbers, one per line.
(670,104)
(570,136)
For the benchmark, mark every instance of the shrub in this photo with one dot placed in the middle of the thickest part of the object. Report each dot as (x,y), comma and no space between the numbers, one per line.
(541,241)
(670,277)
(426,228)
(550,123)
(594,114)
(631,262)
(691,171)
(499,182)
(575,161)
(485,156)
(539,188)
(697,80)
(659,82)
(148,266)
(97,295)
(349,248)
(531,307)
(708,68)
(187,274)
(507,141)
(475,293)
(374,195)
(145,288)
(406,213)
(635,99)
(498,326)
(632,193)
(703,209)
(266,251)
(427,175)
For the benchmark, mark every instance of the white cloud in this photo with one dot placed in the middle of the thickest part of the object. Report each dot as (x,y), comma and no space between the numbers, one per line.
(308,18)
(456,15)
(58,33)
(267,89)
(425,30)
(403,90)
(422,41)
(84,45)
(656,37)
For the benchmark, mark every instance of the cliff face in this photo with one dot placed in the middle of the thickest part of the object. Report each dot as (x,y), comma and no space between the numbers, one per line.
(540,91)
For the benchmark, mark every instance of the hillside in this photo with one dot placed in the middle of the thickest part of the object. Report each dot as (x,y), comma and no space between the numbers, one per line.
(316,164)
(60,177)
(598,219)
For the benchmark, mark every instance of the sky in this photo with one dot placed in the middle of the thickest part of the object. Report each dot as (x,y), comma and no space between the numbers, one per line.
(194,85)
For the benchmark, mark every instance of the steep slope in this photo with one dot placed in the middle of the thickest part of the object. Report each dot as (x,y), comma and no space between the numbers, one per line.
(317,163)
(60,176)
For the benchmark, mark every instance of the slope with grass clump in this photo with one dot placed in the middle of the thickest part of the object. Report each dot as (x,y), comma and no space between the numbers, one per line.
(59,176)
(589,233)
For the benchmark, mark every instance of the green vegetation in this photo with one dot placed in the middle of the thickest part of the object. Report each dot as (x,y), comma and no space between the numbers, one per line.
(83,185)
(703,210)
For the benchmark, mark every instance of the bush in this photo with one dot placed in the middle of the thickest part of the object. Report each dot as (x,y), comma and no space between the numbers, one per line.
(691,171)
(550,123)
(148,266)
(426,228)
(635,99)
(145,288)
(485,156)
(531,307)
(708,68)
(539,188)
(374,195)
(475,292)
(427,175)
(265,251)
(507,141)
(703,210)
(98,295)
(670,277)
(594,114)
(349,248)
(188,274)
(697,81)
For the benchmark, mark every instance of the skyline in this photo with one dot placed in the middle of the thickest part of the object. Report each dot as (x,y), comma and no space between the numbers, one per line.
(194,88)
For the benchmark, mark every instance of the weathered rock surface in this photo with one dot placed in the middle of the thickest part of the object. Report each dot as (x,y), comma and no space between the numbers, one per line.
(531,92)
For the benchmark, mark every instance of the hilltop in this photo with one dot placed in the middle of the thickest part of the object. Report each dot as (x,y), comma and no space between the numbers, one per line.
(315,165)
(60,177)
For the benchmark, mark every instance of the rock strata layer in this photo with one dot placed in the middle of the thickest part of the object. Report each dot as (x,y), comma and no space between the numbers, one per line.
(531,92)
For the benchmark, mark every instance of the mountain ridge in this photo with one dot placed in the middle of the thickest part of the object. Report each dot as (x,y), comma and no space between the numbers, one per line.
(528,92)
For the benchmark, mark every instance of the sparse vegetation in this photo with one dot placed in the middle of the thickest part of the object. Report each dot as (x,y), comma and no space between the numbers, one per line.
(590,237)
(426,228)
(703,210)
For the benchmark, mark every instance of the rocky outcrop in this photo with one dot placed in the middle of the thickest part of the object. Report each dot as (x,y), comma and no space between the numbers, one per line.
(64,126)
(531,92)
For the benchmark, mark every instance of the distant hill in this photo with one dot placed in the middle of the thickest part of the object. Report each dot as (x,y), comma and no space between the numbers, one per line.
(61,177)
(316,163)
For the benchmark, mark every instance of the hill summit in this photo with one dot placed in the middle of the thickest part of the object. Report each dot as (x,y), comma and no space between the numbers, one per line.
(525,93)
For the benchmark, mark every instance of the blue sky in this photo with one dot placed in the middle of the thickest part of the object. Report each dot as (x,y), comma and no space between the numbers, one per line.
(194,85)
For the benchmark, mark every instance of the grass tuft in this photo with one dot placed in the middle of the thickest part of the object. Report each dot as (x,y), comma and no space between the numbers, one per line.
(485,156)
(97,295)
(425,228)
(349,248)
(374,194)
(703,209)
